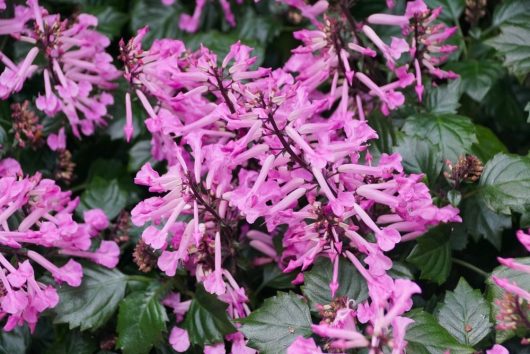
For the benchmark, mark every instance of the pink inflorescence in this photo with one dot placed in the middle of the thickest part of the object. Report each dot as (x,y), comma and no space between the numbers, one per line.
(77,72)
(36,215)
(513,307)
(272,150)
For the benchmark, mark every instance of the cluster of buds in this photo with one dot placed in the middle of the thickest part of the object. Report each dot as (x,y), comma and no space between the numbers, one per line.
(28,130)
(467,169)
(475,10)
(77,71)
(35,212)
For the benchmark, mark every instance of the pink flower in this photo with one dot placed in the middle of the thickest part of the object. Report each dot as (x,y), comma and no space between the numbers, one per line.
(303,345)
(524,239)
(74,60)
(215,349)
(497,349)
(96,218)
(179,339)
(10,168)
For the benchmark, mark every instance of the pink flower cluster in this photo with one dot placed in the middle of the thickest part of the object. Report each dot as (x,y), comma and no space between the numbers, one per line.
(36,216)
(513,307)
(271,149)
(76,71)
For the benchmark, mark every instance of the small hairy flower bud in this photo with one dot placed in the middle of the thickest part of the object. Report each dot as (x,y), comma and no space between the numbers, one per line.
(144,257)
(64,170)
(26,125)
(467,169)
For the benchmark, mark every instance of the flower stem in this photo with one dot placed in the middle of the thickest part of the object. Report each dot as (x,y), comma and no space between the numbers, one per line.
(470,267)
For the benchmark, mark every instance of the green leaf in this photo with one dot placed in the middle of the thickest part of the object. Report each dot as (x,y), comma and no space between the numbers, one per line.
(139,154)
(273,277)
(505,183)
(480,221)
(400,270)
(526,109)
(74,342)
(207,321)
(103,194)
(511,12)
(316,282)
(465,314)
(141,321)
(488,144)
(513,44)
(451,9)
(432,255)
(420,156)
(478,76)
(452,133)
(385,130)
(110,20)
(426,336)
(258,27)
(90,305)
(445,98)
(162,20)
(277,323)
(15,341)
(522,280)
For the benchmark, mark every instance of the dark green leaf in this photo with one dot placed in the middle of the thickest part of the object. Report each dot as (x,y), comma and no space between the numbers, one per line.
(74,342)
(511,12)
(478,76)
(420,156)
(522,280)
(385,130)
(480,221)
(90,305)
(514,45)
(105,168)
(488,144)
(451,9)
(316,282)
(453,134)
(273,277)
(277,323)
(110,20)
(505,183)
(426,336)
(15,341)
(162,20)
(141,321)
(139,154)
(454,197)
(254,27)
(445,98)
(103,194)
(465,314)
(207,321)
(432,255)
(400,270)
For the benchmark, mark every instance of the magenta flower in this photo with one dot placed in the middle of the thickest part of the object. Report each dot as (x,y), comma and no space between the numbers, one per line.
(77,72)
(46,222)
(304,345)
(254,153)
(179,339)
